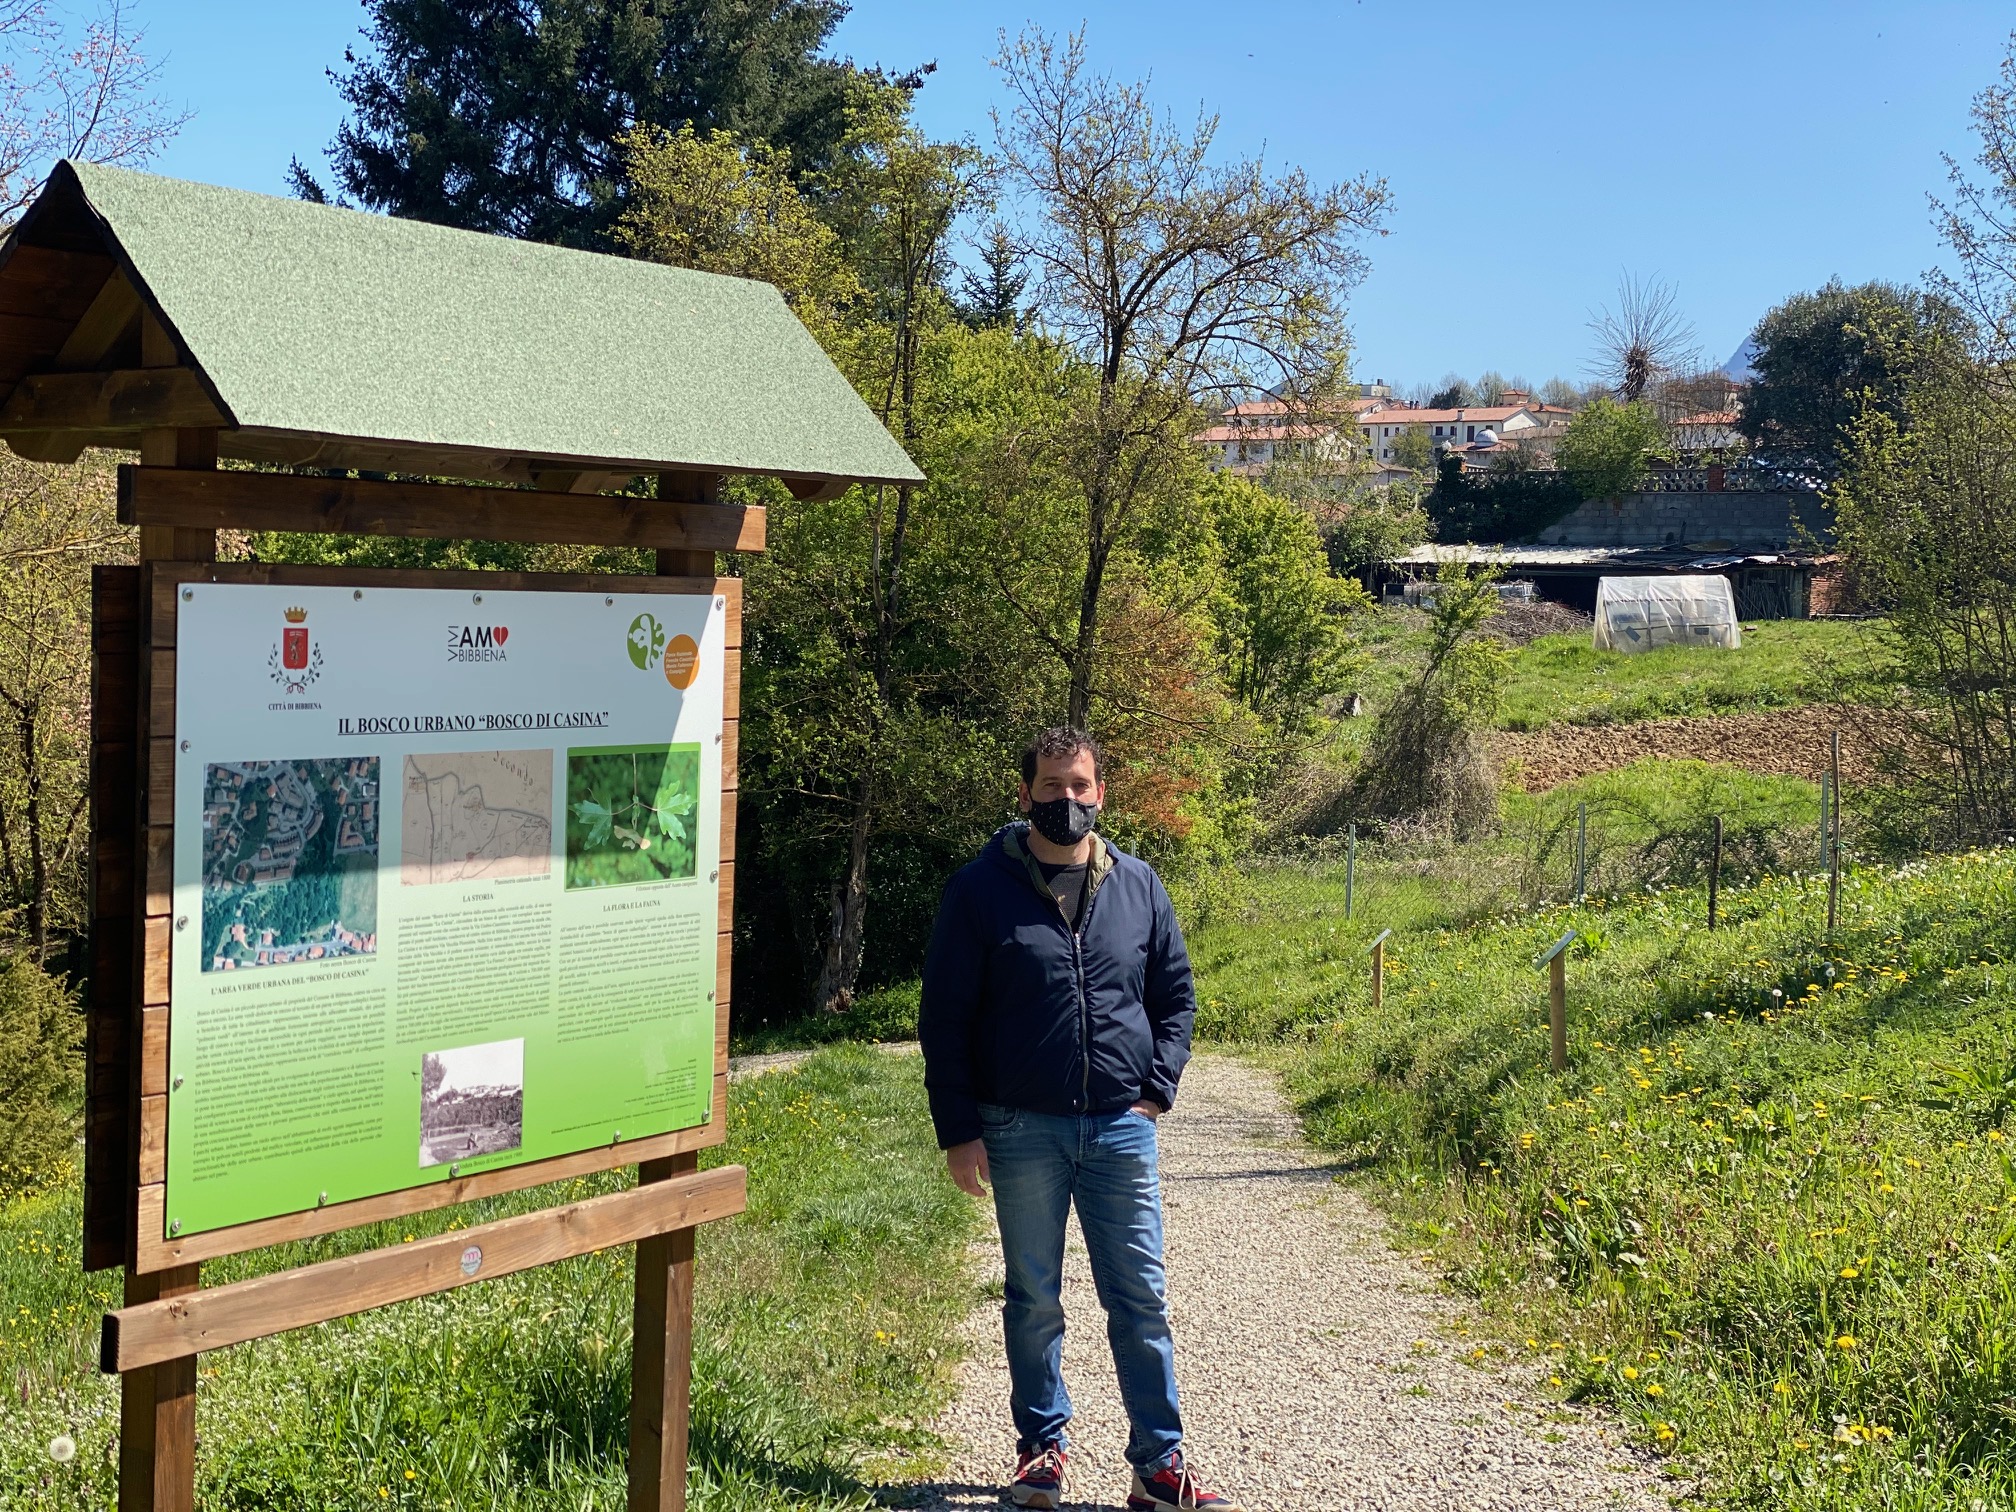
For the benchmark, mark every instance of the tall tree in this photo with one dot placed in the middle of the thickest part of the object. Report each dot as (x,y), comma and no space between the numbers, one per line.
(870,279)
(895,197)
(725,206)
(1924,520)
(73,87)
(508,116)
(993,296)
(1175,278)
(1818,357)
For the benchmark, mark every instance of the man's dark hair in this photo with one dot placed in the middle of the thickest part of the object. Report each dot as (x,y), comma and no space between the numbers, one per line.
(1061,740)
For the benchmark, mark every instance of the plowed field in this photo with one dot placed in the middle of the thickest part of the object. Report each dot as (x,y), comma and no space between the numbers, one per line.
(1782,742)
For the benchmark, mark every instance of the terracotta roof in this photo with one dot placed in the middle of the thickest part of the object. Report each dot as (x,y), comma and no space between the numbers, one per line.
(1264,432)
(1709,417)
(1282,407)
(1475,414)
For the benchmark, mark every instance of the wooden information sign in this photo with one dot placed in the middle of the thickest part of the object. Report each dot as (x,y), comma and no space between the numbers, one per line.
(407,887)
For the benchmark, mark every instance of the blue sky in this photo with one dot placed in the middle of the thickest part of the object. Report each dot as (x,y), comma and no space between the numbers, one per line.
(1740,151)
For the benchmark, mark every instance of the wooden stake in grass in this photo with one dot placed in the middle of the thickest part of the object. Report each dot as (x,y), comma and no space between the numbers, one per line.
(1834,839)
(1379,970)
(1715,872)
(1557,999)
(1350,869)
(1826,796)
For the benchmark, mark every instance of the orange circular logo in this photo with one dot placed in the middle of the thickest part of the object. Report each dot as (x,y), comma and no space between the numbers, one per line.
(682,661)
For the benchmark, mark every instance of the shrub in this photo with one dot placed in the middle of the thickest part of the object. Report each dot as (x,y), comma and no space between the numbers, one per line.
(1426,764)
(1607,447)
(41,1069)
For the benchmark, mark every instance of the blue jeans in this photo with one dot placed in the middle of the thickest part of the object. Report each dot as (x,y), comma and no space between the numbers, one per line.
(1105,1162)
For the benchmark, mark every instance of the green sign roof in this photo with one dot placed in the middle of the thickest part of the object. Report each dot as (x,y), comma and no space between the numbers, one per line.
(321,322)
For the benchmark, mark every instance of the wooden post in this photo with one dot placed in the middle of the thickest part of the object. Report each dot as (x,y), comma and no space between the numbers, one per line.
(661,1358)
(1350,870)
(661,1348)
(157,1403)
(1556,962)
(688,488)
(1557,1012)
(1379,971)
(1826,791)
(1581,851)
(1715,872)
(157,1414)
(1834,839)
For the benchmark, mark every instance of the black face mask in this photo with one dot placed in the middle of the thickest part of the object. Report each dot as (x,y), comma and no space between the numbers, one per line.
(1063,821)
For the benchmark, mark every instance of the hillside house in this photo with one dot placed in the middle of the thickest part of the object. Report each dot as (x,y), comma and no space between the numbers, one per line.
(1707,431)
(1253,436)
(1462,426)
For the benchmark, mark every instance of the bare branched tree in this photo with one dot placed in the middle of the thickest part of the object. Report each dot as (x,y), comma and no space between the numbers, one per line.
(74,89)
(1180,281)
(1644,339)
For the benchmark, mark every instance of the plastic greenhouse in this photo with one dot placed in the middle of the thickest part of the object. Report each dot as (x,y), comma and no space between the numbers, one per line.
(1640,613)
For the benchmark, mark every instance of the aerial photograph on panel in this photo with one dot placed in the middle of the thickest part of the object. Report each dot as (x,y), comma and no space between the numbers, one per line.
(476,816)
(290,861)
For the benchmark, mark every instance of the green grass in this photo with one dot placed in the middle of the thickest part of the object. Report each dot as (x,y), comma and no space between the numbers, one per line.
(827,1317)
(1755,1216)
(1563,679)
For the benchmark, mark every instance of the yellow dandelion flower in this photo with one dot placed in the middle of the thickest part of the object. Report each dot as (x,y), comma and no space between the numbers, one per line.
(1846,1341)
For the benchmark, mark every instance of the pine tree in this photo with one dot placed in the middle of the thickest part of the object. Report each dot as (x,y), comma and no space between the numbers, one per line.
(505,116)
(995,297)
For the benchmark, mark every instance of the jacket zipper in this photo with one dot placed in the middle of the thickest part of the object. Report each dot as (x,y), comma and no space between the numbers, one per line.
(1077,937)
(1084,1002)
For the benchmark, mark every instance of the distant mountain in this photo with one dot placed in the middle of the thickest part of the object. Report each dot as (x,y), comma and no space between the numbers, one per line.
(1740,368)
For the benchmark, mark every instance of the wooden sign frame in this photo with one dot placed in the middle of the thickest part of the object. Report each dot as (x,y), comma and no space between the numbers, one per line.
(145,1241)
(153,1340)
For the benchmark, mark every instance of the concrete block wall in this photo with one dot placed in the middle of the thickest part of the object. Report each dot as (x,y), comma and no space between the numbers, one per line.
(1717,521)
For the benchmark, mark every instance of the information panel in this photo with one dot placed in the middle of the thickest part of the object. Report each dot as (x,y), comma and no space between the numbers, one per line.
(446,885)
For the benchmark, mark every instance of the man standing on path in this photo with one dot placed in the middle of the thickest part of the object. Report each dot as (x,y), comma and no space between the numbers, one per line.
(1055,1024)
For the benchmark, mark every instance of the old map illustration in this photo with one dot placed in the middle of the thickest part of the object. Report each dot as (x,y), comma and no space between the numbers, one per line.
(476,816)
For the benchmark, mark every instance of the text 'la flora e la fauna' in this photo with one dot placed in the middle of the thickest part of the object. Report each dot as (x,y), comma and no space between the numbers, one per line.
(456,724)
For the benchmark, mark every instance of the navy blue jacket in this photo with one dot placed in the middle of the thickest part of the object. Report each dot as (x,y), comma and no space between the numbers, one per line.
(1020,1011)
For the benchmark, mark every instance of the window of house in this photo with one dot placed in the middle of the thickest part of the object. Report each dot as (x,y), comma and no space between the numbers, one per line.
(1472,433)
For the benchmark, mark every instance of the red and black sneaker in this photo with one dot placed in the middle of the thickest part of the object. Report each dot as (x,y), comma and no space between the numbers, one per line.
(1039,1478)
(1174,1489)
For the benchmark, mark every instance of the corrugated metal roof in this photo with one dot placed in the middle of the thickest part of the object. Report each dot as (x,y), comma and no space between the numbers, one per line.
(1434,554)
(317,321)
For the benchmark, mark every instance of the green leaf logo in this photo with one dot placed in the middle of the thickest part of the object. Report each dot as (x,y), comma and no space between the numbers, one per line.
(646,642)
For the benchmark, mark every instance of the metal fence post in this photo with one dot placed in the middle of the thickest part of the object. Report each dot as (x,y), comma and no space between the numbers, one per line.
(1715,872)
(1581,851)
(1557,1000)
(1834,840)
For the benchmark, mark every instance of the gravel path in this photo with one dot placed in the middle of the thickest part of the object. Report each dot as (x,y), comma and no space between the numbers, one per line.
(1316,1365)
